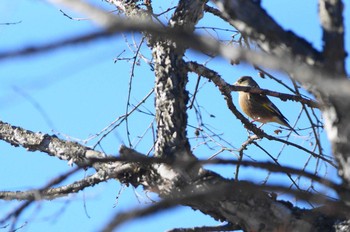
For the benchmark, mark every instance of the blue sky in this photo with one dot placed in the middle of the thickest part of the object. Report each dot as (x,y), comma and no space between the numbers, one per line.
(76,91)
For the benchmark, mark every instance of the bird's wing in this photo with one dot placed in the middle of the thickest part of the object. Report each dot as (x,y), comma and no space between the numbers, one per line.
(267,104)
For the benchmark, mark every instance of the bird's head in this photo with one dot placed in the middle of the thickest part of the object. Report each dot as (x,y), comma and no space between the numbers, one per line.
(246,81)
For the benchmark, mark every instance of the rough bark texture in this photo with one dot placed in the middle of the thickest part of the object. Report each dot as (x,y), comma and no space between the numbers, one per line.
(171,99)
(170,85)
(236,202)
(331,17)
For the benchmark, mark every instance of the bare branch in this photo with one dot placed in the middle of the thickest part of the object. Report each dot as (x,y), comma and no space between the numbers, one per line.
(11,23)
(52,193)
(17,212)
(282,96)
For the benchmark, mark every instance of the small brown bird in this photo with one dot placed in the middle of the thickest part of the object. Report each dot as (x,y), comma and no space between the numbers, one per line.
(258,106)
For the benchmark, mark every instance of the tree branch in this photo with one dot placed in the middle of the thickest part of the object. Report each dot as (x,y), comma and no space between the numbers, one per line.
(160,178)
(53,193)
(170,84)
(269,35)
(331,16)
(282,96)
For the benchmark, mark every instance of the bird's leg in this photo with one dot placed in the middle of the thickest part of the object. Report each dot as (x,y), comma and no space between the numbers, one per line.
(248,131)
(261,125)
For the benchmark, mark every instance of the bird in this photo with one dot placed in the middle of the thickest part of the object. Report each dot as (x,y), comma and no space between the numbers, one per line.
(258,106)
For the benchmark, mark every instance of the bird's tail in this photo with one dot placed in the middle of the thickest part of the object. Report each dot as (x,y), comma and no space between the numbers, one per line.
(284,122)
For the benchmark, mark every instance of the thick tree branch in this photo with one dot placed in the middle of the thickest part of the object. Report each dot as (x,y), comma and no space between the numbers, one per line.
(160,178)
(72,152)
(336,111)
(53,146)
(219,197)
(251,20)
(170,85)
(331,16)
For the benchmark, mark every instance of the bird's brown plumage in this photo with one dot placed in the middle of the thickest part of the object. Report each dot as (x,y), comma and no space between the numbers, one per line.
(258,106)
